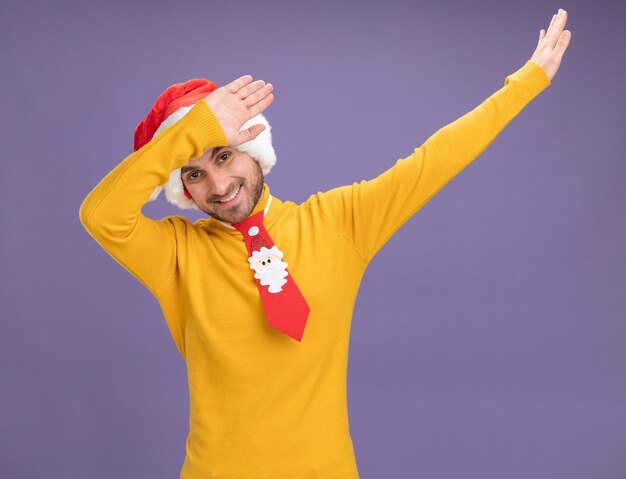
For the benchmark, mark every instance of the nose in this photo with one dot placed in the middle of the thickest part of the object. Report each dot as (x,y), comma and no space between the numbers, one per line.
(219,183)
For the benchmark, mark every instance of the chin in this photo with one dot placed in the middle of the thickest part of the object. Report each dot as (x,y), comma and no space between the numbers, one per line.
(234,217)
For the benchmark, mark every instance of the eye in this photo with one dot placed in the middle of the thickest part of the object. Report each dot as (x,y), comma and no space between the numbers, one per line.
(193,175)
(223,157)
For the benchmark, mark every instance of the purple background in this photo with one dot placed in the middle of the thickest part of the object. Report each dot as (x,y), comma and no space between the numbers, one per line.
(488,338)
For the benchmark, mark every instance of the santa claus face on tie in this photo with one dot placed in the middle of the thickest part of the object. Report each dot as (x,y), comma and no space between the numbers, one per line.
(269,268)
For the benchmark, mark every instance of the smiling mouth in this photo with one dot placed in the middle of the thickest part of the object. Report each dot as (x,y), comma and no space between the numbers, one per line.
(231,197)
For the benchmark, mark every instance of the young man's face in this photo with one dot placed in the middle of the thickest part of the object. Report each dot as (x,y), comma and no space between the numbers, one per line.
(224,182)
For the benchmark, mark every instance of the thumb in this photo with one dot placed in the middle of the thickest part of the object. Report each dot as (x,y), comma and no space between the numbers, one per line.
(248,134)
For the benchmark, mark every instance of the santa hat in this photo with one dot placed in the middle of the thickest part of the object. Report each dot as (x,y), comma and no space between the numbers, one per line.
(172,105)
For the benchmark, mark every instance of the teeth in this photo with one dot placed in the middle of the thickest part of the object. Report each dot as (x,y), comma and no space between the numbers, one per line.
(231,196)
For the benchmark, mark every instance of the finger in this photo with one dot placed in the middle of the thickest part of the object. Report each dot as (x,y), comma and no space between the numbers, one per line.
(250,88)
(563,43)
(542,33)
(248,135)
(240,82)
(563,18)
(259,95)
(557,28)
(553,22)
(261,106)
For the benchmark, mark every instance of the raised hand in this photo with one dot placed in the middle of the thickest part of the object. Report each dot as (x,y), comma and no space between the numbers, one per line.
(552,44)
(236,103)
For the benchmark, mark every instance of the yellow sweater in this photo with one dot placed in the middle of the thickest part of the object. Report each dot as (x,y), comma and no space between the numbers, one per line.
(264,405)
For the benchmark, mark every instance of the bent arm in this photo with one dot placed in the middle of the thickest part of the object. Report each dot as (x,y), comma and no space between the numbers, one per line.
(368,213)
(111,212)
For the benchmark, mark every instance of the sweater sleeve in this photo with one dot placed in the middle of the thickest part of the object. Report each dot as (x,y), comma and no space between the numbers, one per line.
(370,212)
(111,212)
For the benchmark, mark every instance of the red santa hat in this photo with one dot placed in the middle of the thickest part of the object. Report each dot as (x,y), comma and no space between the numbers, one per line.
(172,105)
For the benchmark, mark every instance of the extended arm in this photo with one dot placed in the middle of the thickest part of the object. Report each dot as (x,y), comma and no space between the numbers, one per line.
(368,213)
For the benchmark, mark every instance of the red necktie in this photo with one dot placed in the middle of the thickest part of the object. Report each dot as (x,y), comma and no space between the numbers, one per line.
(285,307)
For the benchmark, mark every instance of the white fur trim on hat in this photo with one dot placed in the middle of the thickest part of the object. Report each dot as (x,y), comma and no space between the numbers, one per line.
(260,149)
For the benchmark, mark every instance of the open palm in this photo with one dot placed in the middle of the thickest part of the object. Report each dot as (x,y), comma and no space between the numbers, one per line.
(236,103)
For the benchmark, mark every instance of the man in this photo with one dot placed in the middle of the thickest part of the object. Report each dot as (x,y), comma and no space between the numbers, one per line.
(259,296)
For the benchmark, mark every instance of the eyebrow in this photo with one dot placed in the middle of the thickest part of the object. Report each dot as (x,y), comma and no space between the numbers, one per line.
(185,169)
